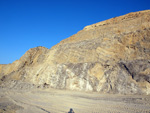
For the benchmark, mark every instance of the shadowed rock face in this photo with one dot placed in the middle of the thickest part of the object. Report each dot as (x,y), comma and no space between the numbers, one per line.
(112,56)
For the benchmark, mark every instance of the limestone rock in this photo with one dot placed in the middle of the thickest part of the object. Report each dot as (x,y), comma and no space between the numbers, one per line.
(112,56)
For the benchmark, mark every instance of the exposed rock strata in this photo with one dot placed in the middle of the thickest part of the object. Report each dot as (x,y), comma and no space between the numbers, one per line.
(112,56)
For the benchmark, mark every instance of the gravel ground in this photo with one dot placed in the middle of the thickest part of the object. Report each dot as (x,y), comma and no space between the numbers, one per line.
(61,101)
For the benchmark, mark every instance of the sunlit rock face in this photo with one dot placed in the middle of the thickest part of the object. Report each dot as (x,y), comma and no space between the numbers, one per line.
(112,56)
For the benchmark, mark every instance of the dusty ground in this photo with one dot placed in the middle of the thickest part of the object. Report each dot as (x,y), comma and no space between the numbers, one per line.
(60,101)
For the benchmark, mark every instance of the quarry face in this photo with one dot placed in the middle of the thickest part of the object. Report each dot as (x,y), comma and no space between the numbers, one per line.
(112,56)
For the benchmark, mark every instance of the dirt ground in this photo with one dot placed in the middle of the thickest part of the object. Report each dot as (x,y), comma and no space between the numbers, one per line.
(61,101)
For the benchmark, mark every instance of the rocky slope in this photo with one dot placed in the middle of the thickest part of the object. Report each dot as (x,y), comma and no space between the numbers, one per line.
(112,56)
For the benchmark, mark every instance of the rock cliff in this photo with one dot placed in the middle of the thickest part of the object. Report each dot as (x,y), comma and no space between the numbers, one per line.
(112,56)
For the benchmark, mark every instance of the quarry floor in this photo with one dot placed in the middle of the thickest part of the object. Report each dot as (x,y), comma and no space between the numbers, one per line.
(61,101)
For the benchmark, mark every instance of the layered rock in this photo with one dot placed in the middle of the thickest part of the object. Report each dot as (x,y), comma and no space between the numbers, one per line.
(112,56)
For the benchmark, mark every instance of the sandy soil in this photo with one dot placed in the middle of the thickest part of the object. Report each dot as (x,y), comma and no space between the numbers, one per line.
(60,101)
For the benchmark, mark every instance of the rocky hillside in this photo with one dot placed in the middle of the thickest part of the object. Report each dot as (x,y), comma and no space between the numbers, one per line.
(112,56)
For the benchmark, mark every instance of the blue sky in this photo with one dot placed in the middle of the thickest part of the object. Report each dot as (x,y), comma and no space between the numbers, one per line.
(25,24)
